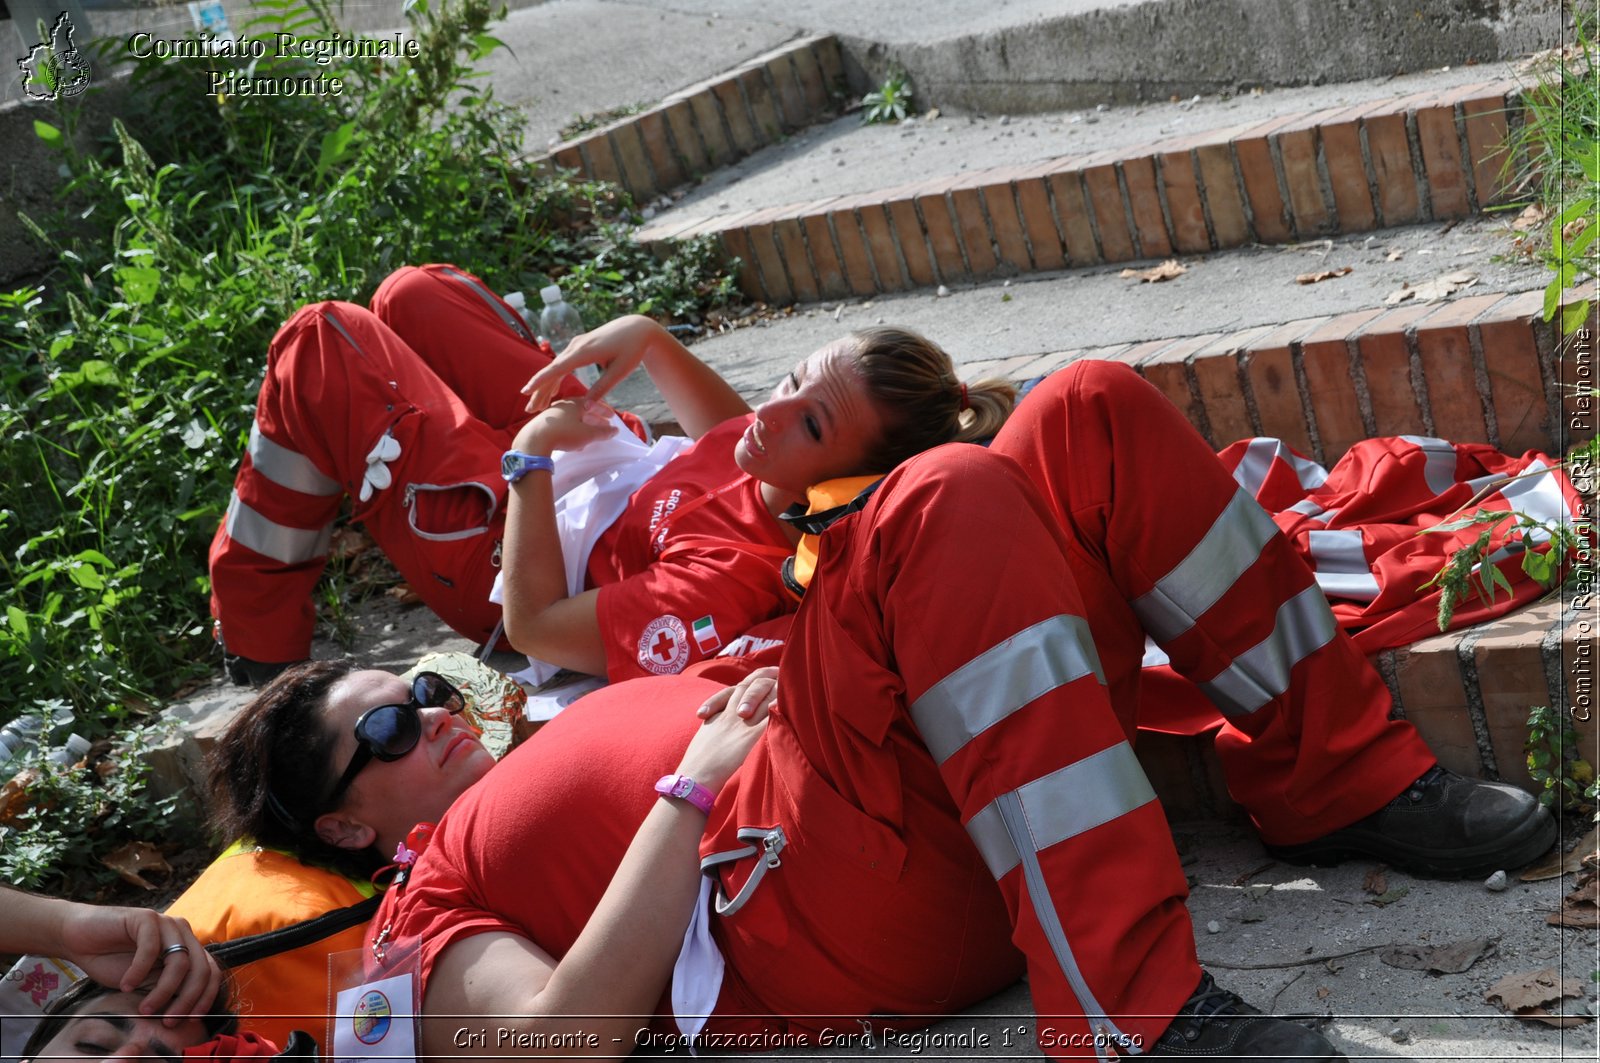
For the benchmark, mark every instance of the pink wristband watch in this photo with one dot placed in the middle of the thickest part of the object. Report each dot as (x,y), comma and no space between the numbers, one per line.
(686,788)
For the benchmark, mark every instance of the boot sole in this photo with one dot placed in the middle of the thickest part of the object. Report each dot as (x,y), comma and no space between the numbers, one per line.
(1509,851)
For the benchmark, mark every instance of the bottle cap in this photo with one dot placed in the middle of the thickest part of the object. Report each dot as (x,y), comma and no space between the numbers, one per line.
(551,295)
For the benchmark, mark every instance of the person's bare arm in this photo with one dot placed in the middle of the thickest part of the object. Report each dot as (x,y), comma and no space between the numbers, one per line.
(117,947)
(610,981)
(699,398)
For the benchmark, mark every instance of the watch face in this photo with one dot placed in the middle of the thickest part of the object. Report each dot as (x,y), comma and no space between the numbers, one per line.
(682,786)
(510,465)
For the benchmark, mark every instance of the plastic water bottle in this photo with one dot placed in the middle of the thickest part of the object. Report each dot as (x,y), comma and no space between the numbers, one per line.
(19,735)
(73,750)
(560,324)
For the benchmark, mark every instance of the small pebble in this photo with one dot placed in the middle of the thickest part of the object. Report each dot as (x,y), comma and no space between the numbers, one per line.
(942,292)
(1496,883)
(1213,927)
(1399,1036)
(1005,119)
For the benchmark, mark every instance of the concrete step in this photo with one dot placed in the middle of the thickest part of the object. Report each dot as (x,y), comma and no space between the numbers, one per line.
(1277,176)
(715,122)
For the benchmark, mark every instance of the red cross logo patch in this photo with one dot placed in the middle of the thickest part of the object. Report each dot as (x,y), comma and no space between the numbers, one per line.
(664,646)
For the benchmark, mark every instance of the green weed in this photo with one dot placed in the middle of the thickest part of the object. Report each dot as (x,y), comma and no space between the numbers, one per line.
(1565,779)
(129,372)
(889,102)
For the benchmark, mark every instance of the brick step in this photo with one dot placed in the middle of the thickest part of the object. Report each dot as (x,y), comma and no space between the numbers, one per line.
(1467,692)
(713,123)
(1480,369)
(1433,155)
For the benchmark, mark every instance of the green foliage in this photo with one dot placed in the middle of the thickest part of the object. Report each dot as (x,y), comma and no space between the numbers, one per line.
(890,102)
(1470,572)
(74,816)
(584,123)
(128,374)
(1558,146)
(1555,762)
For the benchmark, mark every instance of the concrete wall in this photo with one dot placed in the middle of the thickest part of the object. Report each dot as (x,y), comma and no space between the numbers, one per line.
(1162,48)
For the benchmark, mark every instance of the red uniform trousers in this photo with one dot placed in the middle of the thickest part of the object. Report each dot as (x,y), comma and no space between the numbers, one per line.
(438,363)
(1163,541)
(940,675)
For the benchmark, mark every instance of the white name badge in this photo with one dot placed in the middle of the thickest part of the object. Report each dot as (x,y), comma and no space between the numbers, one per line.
(376,1020)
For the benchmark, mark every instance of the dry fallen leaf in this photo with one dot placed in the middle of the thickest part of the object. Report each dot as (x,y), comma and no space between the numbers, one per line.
(1323,992)
(1322,275)
(1445,959)
(1376,882)
(1573,228)
(14,795)
(1434,290)
(135,860)
(1390,897)
(1560,863)
(347,543)
(1164,272)
(1531,218)
(1581,907)
(1529,995)
(403,594)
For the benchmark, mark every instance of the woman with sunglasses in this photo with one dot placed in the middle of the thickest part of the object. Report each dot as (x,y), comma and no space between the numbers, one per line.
(317,783)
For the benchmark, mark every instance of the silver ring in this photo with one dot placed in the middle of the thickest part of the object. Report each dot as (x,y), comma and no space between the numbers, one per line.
(173,949)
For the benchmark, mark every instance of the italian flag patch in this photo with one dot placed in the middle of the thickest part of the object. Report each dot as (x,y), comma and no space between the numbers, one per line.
(705,635)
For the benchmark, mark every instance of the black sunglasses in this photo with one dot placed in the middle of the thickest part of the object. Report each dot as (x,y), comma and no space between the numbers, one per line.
(389,732)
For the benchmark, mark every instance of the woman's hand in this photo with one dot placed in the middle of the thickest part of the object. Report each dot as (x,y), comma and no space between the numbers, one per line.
(566,425)
(125,947)
(752,697)
(617,347)
(719,747)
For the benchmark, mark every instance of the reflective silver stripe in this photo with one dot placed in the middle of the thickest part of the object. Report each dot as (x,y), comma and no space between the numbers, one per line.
(988,831)
(1304,624)
(1439,471)
(1540,497)
(1262,451)
(292,546)
(512,321)
(1340,561)
(288,468)
(1077,798)
(1230,547)
(1003,679)
(330,318)
(1014,812)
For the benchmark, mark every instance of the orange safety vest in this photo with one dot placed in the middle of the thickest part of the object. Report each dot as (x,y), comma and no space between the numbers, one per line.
(249,890)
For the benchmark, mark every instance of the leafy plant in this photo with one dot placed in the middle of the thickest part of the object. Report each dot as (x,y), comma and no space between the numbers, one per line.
(583,123)
(1555,762)
(1558,146)
(128,372)
(1470,570)
(59,822)
(889,102)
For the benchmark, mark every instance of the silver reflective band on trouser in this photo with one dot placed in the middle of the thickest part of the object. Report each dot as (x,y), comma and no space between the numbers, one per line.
(772,842)
(1230,546)
(292,546)
(1439,470)
(288,468)
(1339,561)
(511,320)
(1003,679)
(1304,625)
(1259,454)
(1017,826)
(1063,804)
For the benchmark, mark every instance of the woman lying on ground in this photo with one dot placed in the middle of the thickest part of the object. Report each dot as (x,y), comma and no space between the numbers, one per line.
(945,785)
(317,782)
(410,407)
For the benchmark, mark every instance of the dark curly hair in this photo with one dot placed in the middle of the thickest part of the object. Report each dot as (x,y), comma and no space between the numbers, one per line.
(219,1020)
(269,774)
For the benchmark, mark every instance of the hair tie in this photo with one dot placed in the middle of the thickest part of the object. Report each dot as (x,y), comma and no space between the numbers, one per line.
(965,405)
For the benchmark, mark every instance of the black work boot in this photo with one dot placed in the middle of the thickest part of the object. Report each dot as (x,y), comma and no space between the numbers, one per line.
(1215,1024)
(1442,826)
(247,673)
